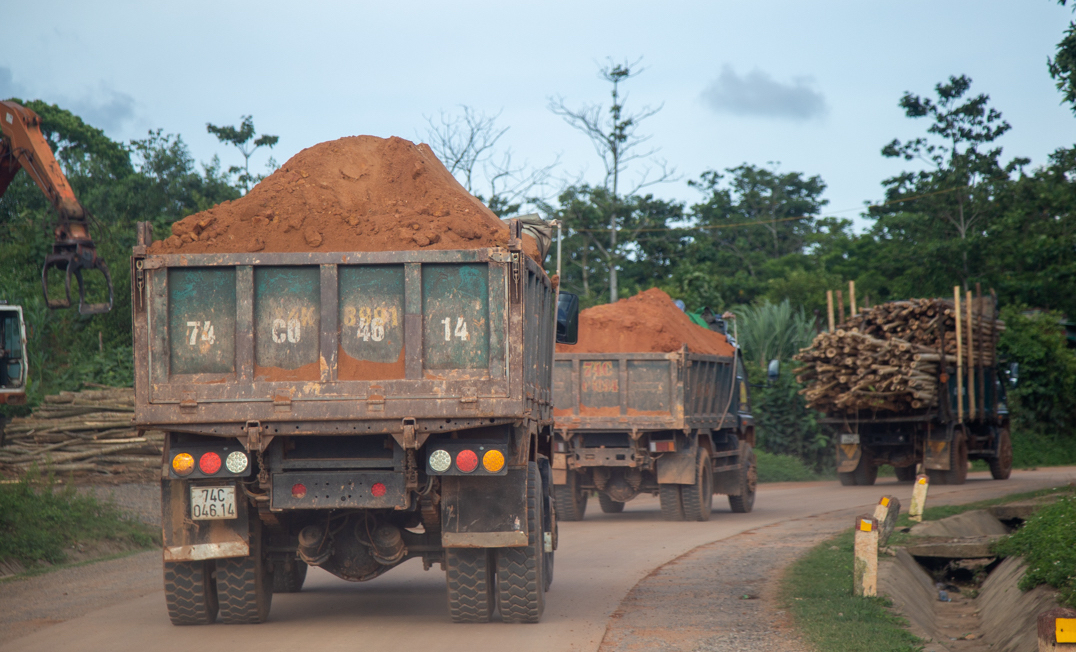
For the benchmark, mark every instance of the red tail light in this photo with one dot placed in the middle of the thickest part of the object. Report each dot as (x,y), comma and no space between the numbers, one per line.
(466,461)
(378,490)
(298,490)
(209,463)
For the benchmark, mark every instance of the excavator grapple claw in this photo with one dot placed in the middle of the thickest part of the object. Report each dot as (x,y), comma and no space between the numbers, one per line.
(72,262)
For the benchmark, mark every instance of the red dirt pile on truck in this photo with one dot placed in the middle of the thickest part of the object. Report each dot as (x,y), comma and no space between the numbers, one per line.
(648,322)
(359,193)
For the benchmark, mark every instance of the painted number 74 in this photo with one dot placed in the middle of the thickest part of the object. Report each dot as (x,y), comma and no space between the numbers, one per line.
(205,327)
(461,328)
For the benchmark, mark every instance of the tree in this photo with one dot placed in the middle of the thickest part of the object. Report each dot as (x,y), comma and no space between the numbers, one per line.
(1062,66)
(956,196)
(467,145)
(243,139)
(613,133)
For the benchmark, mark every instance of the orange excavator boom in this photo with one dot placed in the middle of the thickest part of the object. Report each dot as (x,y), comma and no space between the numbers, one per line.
(23,146)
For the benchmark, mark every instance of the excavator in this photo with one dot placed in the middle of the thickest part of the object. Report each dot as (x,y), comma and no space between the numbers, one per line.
(22,146)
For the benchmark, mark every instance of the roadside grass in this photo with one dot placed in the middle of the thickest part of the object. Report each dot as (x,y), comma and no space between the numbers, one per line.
(1047,542)
(817,588)
(817,591)
(783,468)
(41,521)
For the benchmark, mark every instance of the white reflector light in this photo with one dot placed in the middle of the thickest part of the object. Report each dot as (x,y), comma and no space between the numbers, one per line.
(440,460)
(236,462)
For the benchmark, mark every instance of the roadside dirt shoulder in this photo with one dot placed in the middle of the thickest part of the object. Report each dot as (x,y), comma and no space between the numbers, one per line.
(722,596)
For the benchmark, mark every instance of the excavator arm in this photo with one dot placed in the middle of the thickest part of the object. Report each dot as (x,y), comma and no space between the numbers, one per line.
(22,146)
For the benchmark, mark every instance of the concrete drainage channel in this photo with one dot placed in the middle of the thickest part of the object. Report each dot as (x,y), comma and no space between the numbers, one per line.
(958,596)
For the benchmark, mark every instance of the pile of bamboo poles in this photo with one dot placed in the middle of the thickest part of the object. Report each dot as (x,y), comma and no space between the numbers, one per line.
(891,357)
(850,371)
(80,432)
(927,322)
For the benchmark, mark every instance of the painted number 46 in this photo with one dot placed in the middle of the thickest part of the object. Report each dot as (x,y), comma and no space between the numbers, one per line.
(205,327)
(461,328)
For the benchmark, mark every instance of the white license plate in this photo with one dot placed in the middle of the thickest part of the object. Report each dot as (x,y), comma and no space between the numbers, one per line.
(849,439)
(212,503)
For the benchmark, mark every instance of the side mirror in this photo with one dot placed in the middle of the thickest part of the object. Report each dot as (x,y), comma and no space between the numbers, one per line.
(773,371)
(1014,373)
(567,318)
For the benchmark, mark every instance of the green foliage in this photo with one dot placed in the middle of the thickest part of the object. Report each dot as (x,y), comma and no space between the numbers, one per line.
(1047,542)
(1063,65)
(817,591)
(769,331)
(243,139)
(783,468)
(1034,447)
(1044,398)
(783,423)
(39,521)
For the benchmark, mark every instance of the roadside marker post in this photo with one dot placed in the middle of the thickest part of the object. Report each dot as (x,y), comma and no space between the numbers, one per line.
(919,498)
(886,512)
(865,566)
(1057,630)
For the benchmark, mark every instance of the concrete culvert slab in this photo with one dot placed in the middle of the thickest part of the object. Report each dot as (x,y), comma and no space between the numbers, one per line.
(969,524)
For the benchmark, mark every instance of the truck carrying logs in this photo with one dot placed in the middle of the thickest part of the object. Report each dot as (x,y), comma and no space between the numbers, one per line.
(909,383)
(353,367)
(649,402)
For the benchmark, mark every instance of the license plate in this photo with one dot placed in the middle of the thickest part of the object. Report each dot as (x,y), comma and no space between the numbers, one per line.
(849,439)
(212,503)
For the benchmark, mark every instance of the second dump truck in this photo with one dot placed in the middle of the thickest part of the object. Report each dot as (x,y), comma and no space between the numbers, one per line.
(677,425)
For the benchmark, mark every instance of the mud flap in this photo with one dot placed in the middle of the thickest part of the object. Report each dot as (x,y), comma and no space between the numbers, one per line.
(560,468)
(188,540)
(677,468)
(484,512)
(848,453)
(728,482)
(936,455)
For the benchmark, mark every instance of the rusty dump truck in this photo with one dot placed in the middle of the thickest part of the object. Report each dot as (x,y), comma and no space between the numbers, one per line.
(349,411)
(673,424)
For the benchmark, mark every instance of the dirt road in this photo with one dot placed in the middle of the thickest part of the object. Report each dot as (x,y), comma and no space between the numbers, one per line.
(606,568)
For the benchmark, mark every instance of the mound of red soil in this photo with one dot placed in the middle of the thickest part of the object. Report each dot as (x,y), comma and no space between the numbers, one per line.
(360,193)
(648,322)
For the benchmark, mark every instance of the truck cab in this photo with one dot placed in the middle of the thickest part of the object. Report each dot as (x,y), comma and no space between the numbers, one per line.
(13,362)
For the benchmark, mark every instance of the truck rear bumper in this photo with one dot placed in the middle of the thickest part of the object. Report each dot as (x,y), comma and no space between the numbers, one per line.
(338,489)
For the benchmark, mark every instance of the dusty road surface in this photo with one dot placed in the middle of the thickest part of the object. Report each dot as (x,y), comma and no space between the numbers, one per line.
(614,581)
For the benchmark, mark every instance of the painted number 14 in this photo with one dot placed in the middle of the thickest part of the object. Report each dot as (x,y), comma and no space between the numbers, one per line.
(461,328)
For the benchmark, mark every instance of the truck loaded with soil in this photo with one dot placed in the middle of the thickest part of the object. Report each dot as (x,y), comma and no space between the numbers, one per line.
(650,402)
(352,365)
(913,384)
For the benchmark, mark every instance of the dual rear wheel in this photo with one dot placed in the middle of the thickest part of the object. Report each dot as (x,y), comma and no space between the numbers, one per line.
(512,579)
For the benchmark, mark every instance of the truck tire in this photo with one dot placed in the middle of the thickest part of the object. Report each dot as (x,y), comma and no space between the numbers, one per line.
(245,584)
(905,473)
(288,576)
(698,499)
(520,571)
(958,463)
(863,475)
(470,584)
(608,505)
(571,499)
(1001,466)
(745,502)
(672,506)
(189,592)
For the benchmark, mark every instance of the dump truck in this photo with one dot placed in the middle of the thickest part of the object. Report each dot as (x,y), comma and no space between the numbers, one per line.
(677,425)
(350,411)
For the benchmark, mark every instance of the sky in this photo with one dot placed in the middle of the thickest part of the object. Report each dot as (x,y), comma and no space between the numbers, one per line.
(807,87)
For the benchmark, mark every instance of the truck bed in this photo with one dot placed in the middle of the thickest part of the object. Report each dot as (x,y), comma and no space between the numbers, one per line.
(644,391)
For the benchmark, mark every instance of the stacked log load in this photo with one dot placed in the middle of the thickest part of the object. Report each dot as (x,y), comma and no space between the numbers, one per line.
(887,358)
(88,431)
